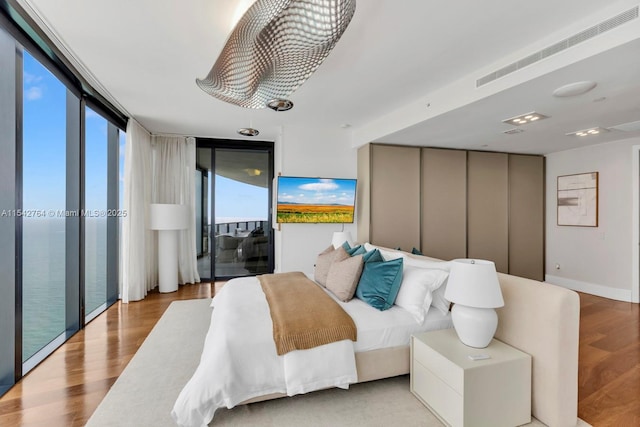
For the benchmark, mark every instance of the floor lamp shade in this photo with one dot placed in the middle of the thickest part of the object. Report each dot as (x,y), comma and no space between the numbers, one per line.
(474,289)
(339,237)
(165,216)
(168,219)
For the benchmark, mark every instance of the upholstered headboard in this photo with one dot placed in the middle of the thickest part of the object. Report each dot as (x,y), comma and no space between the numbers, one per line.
(543,320)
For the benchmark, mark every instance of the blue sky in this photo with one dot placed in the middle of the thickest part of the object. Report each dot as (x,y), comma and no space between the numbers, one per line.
(235,199)
(44,143)
(44,138)
(317,191)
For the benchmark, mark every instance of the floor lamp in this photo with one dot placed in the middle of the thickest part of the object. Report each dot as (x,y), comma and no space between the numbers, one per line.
(168,219)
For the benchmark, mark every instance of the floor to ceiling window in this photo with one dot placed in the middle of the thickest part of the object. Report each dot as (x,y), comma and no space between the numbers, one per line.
(233,185)
(9,312)
(59,200)
(95,218)
(43,242)
(101,216)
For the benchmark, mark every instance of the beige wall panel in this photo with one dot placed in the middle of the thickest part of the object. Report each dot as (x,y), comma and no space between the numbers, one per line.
(444,203)
(487,208)
(395,196)
(363,199)
(526,216)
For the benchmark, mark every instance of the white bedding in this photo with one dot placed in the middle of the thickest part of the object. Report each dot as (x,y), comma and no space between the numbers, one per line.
(389,328)
(239,359)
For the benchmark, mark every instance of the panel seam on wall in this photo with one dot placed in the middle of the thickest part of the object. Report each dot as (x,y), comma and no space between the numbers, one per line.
(466,209)
(421,197)
(509,165)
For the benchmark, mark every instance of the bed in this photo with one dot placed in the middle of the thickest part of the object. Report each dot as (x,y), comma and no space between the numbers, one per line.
(239,363)
(537,318)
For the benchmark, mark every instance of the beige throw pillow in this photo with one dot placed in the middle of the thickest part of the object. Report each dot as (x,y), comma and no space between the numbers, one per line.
(323,263)
(344,275)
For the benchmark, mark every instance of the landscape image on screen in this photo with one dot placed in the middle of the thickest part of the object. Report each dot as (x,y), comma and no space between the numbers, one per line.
(314,200)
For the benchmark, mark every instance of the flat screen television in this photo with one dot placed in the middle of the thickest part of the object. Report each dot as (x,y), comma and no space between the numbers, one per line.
(315,200)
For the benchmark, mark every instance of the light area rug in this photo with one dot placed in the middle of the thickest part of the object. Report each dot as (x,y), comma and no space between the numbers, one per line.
(145,392)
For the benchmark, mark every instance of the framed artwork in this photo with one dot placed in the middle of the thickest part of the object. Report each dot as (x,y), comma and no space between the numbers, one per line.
(578,199)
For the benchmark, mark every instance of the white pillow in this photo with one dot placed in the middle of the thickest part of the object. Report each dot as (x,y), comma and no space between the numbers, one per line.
(439,301)
(387,254)
(418,284)
(417,261)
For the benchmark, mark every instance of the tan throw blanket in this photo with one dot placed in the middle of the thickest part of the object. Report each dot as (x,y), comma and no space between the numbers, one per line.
(303,315)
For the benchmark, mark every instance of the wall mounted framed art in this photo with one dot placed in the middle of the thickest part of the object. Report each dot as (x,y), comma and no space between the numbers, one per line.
(578,199)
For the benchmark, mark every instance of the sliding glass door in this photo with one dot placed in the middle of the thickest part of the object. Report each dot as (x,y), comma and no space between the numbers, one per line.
(234,186)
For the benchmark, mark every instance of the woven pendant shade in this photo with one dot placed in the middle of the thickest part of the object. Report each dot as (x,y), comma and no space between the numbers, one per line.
(274,48)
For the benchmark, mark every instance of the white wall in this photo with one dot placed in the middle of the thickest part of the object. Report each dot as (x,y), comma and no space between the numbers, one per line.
(597,260)
(325,153)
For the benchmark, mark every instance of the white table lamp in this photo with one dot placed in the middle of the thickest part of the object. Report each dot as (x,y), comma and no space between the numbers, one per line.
(168,219)
(474,288)
(339,237)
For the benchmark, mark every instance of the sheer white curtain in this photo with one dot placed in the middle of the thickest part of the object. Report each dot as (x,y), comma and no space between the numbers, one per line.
(138,254)
(158,169)
(174,174)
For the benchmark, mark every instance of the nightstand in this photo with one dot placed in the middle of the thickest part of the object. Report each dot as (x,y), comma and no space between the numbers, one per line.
(492,392)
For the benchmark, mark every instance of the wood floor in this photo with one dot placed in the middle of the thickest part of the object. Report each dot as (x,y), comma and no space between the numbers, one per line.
(67,387)
(609,368)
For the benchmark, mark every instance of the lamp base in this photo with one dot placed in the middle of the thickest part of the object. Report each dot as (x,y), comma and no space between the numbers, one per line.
(475,326)
(167,260)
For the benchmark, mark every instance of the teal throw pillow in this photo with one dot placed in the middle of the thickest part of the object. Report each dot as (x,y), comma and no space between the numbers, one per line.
(358,250)
(380,282)
(416,251)
(346,246)
(372,256)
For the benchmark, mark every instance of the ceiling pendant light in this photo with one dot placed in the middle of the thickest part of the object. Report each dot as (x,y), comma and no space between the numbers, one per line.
(248,132)
(274,48)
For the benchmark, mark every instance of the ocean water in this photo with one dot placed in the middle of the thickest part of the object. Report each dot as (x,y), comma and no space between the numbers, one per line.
(44,277)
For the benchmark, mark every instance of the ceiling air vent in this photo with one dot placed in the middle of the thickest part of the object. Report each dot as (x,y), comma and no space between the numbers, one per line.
(513,131)
(580,37)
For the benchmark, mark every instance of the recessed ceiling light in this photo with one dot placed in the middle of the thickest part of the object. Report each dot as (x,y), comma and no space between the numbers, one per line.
(280,104)
(523,119)
(588,132)
(574,89)
(248,132)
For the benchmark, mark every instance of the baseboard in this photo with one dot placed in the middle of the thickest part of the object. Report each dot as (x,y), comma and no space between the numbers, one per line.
(590,288)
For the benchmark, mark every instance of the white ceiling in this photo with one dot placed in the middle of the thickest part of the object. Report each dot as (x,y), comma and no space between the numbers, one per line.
(393,59)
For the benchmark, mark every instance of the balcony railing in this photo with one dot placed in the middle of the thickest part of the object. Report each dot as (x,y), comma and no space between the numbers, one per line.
(233,228)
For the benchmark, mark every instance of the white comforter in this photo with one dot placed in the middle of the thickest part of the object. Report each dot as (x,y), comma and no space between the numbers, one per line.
(239,359)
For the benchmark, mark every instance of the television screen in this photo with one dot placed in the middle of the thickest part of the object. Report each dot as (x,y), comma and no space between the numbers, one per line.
(314,200)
